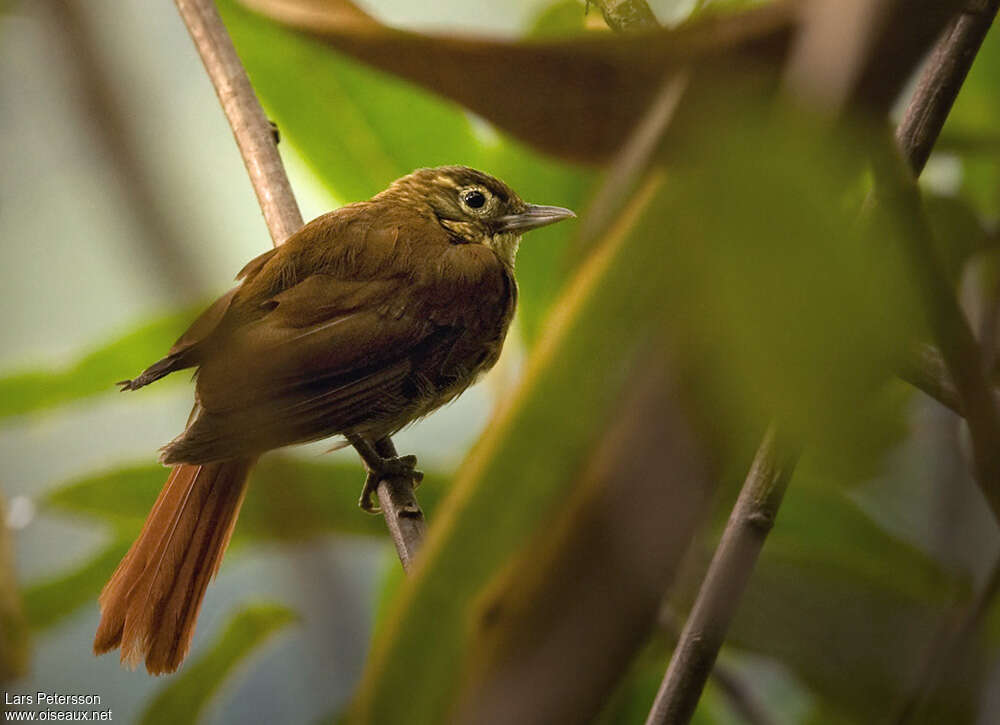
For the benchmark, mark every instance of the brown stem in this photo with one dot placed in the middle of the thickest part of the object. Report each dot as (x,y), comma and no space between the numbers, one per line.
(628,16)
(719,597)
(938,86)
(925,370)
(253,132)
(400,508)
(897,190)
(256,140)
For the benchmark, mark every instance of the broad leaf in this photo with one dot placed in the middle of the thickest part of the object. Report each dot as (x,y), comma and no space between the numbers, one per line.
(185,696)
(50,601)
(770,302)
(95,373)
(288,499)
(576,98)
(13,627)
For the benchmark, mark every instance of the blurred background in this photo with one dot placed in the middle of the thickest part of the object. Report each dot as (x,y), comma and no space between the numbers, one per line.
(124,207)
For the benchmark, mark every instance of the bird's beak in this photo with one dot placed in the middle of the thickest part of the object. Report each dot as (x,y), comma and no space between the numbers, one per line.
(533,217)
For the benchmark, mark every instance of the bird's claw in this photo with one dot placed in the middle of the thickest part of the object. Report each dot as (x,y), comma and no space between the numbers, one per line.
(395,466)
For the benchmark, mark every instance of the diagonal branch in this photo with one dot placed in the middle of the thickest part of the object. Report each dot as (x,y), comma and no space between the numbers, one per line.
(255,139)
(719,596)
(938,87)
(896,186)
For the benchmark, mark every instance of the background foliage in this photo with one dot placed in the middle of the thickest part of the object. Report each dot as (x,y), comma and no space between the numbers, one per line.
(748,252)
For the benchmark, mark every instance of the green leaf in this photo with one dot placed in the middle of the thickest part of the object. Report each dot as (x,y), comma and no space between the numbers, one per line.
(95,373)
(288,499)
(771,302)
(185,696)
(358,129)
(13,630)
(49,602)
(508,486)
(560,19)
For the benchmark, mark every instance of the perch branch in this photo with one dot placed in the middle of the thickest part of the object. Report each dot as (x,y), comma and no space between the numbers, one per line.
(938,86)
(628,16)
(255,139)
(719,597)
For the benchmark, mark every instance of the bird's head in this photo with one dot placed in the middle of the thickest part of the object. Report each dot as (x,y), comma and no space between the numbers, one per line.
(476,208)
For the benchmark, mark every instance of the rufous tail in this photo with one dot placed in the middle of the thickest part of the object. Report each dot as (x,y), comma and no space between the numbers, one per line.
(150,605)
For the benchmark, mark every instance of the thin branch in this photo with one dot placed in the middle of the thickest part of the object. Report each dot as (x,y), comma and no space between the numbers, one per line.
(732,684)
(897,189)
(400,508)
(925,370)
(628,16)
(255,138)
(252,130)
(719,597)
(938,87)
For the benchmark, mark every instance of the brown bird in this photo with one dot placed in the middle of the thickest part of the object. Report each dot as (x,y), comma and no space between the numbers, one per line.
(366,319)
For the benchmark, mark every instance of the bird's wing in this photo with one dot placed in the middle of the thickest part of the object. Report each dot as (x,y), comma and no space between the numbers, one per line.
(321,333)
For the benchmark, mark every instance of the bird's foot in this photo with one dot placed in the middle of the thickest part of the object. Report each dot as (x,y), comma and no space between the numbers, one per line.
(381,468)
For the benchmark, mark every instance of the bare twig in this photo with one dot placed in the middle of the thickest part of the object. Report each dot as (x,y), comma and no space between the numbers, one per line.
(732,684)
(719,597)
(938,87)
(253,131)
(628,16)
(400,508)
(897,189)
(256,140)
(925,370)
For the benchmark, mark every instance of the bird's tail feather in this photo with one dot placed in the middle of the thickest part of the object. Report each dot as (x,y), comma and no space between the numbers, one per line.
(150,605)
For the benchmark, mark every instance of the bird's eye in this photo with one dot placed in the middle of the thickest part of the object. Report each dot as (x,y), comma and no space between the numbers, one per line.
(474,199)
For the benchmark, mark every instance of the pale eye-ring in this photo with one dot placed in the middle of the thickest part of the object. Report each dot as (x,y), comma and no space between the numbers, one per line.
(474,199)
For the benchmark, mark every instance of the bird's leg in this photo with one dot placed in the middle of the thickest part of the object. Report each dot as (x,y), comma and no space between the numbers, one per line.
(380,467)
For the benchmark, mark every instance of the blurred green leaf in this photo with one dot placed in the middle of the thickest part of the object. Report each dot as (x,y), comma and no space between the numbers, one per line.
(575,98)
(186,695)
(97,372)
(509,486)
(344,117)
(13,627)
(560,19)
(289,499)
(52,600)
(745,257)
(958,232)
